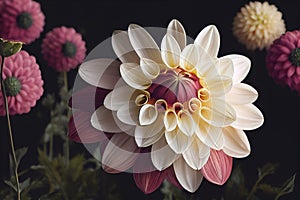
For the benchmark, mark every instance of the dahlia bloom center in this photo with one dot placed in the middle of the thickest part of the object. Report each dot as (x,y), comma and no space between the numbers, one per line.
(294,57)
(69,49)
(175,85)
(12,86)
(24,20)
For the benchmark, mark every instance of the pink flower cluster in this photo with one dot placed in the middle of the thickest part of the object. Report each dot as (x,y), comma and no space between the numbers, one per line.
(21,20)
(63,48)
(23,83)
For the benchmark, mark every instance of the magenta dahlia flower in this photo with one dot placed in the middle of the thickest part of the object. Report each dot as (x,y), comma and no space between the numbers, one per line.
(23,83)
(21,20)
(63,48)
(283,60)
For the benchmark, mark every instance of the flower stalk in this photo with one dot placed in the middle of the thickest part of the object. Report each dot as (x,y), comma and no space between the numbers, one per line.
(10,131)
(66,145)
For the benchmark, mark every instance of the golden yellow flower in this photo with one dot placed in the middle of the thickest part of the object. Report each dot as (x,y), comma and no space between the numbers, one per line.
(258,24)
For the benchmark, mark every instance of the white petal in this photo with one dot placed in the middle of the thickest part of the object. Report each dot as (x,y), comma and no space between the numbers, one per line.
(101,72)
(170,120)
(142,133)
(209,39)
(186,123)
(225,67)
(143,43)
(178,141)
(134,76)
(105,120)
(248,117)
(189,57)
(197,154)
(148,114)
(146,140)
(219,85)
(236,143)
(219,114)
(123,47)
(241,93)
(206,66)
(162,155)
(177,31)
(210,135)
(150,68)
(241,66)
(129,113)
(188,178)
(120,153)
(118,97)
(170,51)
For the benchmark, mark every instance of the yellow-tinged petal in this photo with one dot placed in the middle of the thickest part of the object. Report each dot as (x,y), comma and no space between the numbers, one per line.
(189,57)
(170,51)
(170,120)
(219,113)
(186,123)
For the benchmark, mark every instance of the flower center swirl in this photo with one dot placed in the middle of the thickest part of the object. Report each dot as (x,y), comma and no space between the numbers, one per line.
(175,85)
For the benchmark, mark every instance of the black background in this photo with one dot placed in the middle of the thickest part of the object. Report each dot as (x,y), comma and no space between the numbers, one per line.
(276,141)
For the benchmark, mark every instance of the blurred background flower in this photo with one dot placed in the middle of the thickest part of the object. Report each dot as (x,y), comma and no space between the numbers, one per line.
(63,48)
(283,60)
(21,20)
(258,24)
(23,83)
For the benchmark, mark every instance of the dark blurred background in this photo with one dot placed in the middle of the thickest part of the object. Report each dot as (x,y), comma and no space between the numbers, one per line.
(277,141)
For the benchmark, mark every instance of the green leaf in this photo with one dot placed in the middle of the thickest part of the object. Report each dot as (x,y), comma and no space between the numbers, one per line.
(9,48)
(287,187)
(24,184)
(10,184)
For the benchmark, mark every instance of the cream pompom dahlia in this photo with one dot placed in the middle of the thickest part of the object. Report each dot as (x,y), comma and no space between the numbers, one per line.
(179,100)
(258,24)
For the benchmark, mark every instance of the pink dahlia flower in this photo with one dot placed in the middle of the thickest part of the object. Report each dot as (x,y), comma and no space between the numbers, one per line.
(23,83)
(21,20)
(63,48)
(283,60)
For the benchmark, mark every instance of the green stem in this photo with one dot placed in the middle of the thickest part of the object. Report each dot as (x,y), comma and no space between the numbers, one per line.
(10,130)
(67,148)
(254,188)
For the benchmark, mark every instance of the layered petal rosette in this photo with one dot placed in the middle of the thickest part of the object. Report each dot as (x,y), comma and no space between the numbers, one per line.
(180,101)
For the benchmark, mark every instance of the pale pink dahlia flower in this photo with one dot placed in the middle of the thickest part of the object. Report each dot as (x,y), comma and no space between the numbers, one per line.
(63,48)
(23,83)
(283,60)
(258,24)
(180,101)
(21,20)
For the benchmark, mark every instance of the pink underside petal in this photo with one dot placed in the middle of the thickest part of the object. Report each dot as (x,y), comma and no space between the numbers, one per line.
(218,167)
